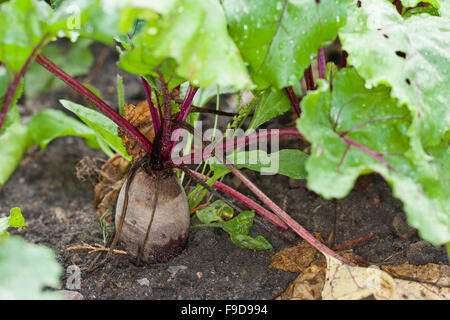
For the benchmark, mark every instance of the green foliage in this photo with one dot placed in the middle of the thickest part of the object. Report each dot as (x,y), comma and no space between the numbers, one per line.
(412,56)
(205,94)
(12,116)
(50,124)
(355,130)
(25,268)
(120,94)
(15,220)
(15,141)
(279,39)
(192,33)
(387,112)
(216,215)
(270,104)
(104,127)
(287,162)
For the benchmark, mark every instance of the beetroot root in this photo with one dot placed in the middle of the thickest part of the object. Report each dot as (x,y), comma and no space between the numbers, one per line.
(170,224)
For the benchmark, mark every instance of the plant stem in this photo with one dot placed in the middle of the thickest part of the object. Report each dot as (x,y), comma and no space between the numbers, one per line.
(302,232)
(184,111)
(232,144)
(13,87)
(344,59)
(398,5)
(99,103)
(294,101)
(187,102)
(166,146)
(153,111)
(309,79)
(322,62)
(245,200)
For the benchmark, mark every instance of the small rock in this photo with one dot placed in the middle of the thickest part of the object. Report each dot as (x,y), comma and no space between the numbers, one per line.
(401,227)
(297,183)
(72,295)
(173,270)
(59,214)
(199,274)
(144,282)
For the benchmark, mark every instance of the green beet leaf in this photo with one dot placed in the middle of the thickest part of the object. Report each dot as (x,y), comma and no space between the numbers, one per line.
(279,39)
(194,35)
(411,55)
(14,141)
(287,162)
(270,104)
(238,228)
(249,243)
(355,130)
(26,24)
(26,269)
(50,124)
(102,125)
(15,220)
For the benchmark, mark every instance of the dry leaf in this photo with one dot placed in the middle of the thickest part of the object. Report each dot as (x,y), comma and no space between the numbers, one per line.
(308,285)
(139,116)
(331,279)
(347,282)
(431,281)
(302,258)
(107,189)
(295,259)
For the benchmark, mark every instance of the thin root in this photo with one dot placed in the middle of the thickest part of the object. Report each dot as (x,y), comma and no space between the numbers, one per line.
(96,248)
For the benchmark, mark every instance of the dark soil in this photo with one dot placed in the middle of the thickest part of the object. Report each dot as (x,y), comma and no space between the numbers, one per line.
(58,212)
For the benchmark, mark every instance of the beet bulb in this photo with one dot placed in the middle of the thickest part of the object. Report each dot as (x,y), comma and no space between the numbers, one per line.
(169,225)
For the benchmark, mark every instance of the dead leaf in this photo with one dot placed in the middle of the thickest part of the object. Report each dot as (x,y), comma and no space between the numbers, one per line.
(330,279)
(107,189)
(139,116)
(347,282)
(308,285)
(295,259)
(302,258)
(430,281)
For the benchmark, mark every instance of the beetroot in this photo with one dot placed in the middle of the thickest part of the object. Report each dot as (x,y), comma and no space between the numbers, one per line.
(168,218)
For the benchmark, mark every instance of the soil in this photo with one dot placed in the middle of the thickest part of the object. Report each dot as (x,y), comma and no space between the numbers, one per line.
(58,211)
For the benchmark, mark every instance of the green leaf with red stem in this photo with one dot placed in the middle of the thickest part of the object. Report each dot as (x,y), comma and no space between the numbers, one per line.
(202,155)
(100,104)
(355,130)
(412,56)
